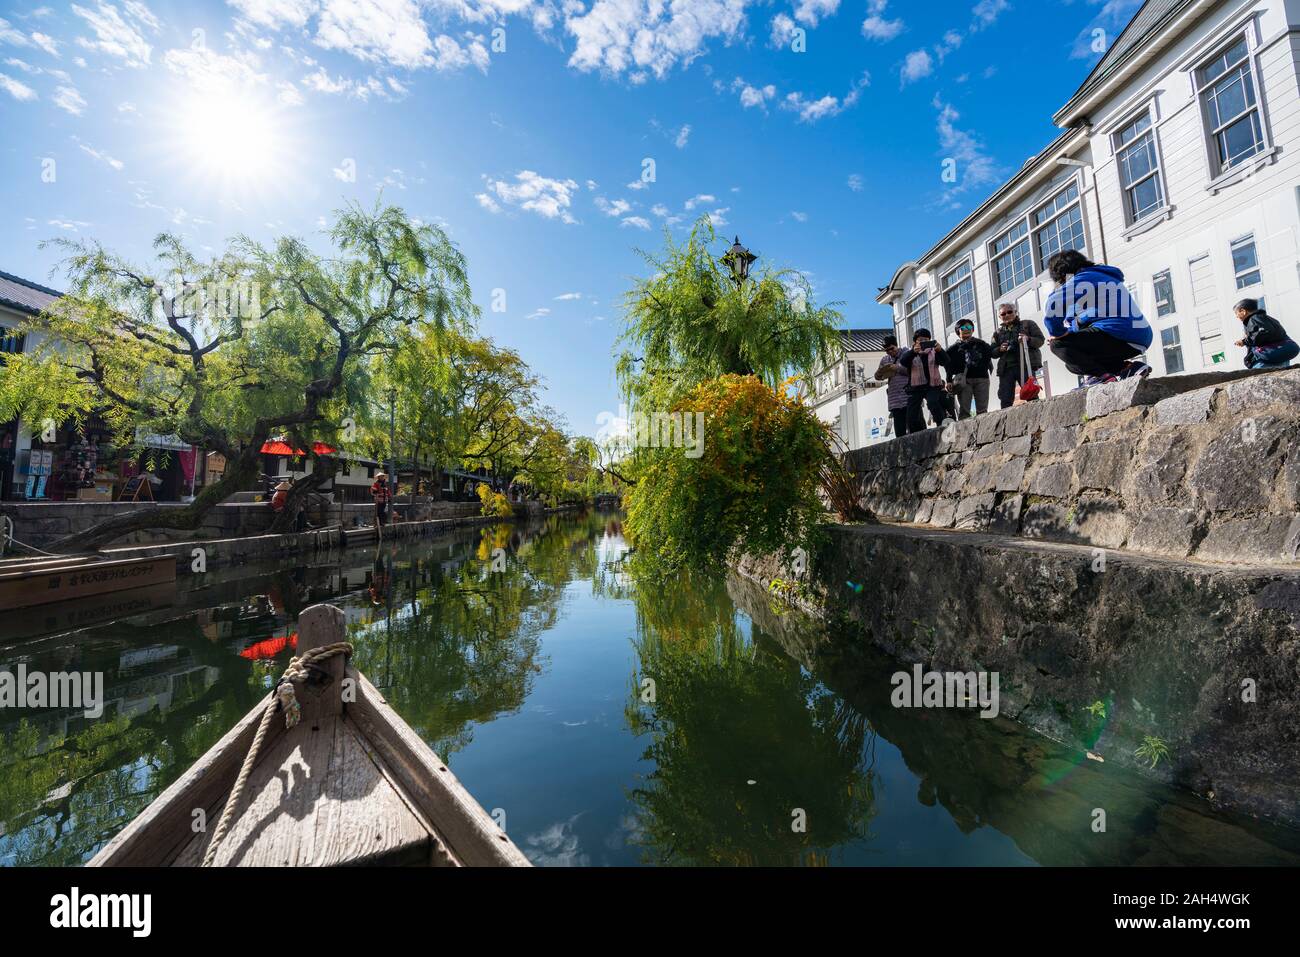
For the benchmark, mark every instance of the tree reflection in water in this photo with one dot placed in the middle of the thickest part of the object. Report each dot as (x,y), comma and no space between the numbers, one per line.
(741,740)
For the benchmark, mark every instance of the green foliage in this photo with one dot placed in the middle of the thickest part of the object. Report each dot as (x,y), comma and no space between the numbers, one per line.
(689,322)
(1153,749)
(754,485)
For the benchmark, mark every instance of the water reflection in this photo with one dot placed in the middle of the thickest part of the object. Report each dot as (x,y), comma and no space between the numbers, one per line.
(616,721)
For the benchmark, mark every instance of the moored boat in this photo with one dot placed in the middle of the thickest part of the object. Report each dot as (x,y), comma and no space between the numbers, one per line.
(343,781)
(26,582)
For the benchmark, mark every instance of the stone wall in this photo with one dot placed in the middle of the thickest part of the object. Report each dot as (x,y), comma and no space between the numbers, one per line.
(1203,466)
(1206,659)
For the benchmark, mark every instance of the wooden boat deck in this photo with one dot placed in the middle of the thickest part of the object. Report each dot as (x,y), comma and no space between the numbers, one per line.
(351,783)
(321,799)
(25,582)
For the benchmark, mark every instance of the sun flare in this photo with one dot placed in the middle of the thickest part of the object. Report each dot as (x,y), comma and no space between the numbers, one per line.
(231,140)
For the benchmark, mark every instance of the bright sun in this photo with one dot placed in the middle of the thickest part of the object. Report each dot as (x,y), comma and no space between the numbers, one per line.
(230,140)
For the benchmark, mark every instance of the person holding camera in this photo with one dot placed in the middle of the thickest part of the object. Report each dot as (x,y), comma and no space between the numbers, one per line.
(892,372)
(1006,346)
(926,364)
(971,364)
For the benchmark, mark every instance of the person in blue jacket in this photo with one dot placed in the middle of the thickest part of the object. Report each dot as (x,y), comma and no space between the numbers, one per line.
(1093,324)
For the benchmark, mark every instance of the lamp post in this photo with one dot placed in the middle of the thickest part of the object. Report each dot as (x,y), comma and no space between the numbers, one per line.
(738,259)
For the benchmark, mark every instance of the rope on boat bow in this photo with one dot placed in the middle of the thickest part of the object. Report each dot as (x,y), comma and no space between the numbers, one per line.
(283,697)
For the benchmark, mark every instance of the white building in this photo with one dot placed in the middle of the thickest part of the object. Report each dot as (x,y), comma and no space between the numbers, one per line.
(1178,162)
(20,300)
(850,377)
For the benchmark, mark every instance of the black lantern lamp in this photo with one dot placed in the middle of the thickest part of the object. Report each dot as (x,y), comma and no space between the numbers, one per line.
(738,260)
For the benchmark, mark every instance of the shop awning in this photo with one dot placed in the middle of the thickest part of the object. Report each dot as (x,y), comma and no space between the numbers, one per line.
(276,447)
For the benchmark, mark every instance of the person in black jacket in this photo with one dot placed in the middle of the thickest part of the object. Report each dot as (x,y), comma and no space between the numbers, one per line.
(970,364)
(1006,346)
(1267,344)
(926,363)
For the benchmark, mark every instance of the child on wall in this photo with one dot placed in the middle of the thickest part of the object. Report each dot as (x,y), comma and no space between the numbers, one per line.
(1267,344)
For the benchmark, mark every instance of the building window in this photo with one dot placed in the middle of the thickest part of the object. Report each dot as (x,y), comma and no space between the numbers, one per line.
(1058,225)
(959,295)
(1227,88)
(1164,290)
(1245,262)
(1013,261)
(1173,348)
(918,313)
(11,342)
(1139,169)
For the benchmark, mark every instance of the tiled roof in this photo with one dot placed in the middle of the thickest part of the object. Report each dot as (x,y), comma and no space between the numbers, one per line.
(25,296)
(1151,18)
(864,340)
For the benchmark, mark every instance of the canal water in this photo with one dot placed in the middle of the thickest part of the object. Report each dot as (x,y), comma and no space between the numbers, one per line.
(605,723)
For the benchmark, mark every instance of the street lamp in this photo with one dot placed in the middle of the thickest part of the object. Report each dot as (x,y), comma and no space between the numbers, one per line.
(738,260)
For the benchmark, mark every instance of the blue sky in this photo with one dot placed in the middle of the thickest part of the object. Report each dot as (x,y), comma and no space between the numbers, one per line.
(816,129)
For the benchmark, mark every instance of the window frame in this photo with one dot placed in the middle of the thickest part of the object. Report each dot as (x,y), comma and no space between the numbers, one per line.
(1026,220)
(1168,275)
(910,313)
(1202,87)
(1177,346)
(946,289)
(1257,269)
(1157,172)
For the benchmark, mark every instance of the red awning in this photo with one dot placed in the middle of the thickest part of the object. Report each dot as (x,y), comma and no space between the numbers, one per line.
(276,447)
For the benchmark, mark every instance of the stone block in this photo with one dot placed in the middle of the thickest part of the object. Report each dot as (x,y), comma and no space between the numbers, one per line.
(1158,469)
(1065,410)
(944,512)
(1053,481)
(975,511)
(982,476)
(1238,470)
(1124,394)
(1190,408)
(954,480)
(1011,475)
(1171,532)
(988,451)
(988,427)
(1046,520)
(1100,520)
(1103,464)
(1017,445)
(1267,538)
(1060,439)
(929,483)
(923,511)
(1263,389)
(1006,515)
(1023,419)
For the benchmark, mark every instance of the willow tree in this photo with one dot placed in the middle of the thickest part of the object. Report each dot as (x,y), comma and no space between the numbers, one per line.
(691,321)
(224,353)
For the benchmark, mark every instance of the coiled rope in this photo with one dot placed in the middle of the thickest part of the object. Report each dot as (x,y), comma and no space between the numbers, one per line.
(283,697)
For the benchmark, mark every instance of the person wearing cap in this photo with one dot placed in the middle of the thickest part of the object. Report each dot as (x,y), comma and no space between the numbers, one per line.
(970,364)
(281,496)
(383,495)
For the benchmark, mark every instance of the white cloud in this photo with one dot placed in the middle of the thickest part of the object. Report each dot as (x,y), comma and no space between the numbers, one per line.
(918,65)
(568,296)
(810,111)
(208,70)
(277,13)
(812,11)
(288,94)
(102,156)
(119,36)
(46,43)
(701,199)
(67,98)
(617,208)
(987,12)
(541,313)
(550,198)
(799,217)
(622,36)
(19,91)
(683,135)
(640,222)
(974,167)
(855,182)
(877,26)
(952,40)
(751,96)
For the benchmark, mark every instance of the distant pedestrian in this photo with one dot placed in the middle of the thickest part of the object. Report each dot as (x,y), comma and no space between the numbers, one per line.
(892,372)
(1097,329)
(1267,344)
(971,364)
(926,362)
(383,497)
(1006,346)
